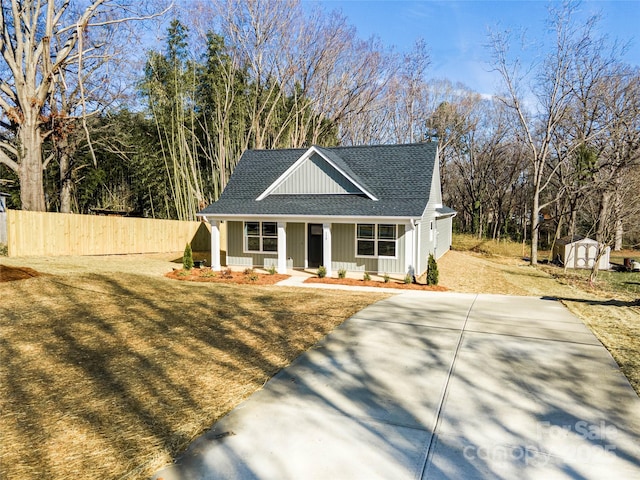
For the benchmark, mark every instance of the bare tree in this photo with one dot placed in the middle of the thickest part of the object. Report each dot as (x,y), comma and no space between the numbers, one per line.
(451,117)
(409,95)
(552,92)
(39,40)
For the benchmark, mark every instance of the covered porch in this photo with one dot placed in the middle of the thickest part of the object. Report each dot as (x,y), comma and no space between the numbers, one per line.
(354,245)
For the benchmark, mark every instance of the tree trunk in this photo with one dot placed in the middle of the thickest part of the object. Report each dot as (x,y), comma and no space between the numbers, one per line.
(31,168)
(603,217)
(535,211)
(619,227)
(601,234)
(66,183)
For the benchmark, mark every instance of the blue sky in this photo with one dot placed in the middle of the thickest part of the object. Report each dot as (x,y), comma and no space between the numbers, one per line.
(456,31)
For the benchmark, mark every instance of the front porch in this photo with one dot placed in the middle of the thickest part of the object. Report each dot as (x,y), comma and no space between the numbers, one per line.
(297,245)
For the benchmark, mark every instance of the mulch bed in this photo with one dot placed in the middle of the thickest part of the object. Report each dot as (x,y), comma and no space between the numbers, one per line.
(250,277)
(354,282)
(10,274)
(225,276)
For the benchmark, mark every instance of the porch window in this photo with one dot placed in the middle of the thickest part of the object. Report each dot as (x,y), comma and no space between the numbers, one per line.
(376,240)
(261,237)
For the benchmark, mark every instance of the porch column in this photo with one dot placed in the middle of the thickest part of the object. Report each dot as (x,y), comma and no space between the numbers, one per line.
(215,245)
(326,247)
(282,247)
(409,249)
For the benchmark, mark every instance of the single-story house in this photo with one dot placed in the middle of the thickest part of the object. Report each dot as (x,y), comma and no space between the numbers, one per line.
(580,252)
(367,208)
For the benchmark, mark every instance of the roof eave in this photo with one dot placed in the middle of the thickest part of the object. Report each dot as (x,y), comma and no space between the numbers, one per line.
(298,217)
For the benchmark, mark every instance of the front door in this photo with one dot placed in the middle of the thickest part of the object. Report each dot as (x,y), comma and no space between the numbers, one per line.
(314,245)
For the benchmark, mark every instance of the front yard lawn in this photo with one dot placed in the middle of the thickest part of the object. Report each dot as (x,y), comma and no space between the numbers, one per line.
(110,375)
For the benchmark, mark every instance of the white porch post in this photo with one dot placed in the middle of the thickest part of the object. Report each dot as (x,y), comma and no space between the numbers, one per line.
(215,245)
(326,247)
(282,247)
(409,251)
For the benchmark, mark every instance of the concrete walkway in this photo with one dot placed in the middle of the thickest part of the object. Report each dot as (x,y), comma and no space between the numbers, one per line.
(435,386)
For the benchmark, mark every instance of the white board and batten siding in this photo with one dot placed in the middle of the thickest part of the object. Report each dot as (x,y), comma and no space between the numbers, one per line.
(315,176)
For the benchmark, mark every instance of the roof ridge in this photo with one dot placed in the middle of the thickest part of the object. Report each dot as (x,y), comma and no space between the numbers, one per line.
(377,145)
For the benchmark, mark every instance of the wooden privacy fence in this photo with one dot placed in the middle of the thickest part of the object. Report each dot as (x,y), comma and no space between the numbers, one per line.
(43,233)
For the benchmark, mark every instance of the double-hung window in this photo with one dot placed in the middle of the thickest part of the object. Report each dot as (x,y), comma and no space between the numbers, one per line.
(261,237)
(376,240)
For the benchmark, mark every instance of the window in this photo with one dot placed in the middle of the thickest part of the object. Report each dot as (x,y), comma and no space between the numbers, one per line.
(261,236)
(374,240)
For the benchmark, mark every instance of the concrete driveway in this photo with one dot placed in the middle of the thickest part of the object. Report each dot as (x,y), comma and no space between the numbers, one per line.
(435,386)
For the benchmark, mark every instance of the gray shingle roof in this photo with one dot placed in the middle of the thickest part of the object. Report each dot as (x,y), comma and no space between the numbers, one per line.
(398,175)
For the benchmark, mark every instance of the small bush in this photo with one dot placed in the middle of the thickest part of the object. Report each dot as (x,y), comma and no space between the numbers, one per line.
(408,279)
(248,271)
(386,278)
(253,276)
(342,273)
(322,271)
(272,270)
(4,250)
(187,258)
(183,273)
(432,271)
(366,277)
(208,274)
(226,273)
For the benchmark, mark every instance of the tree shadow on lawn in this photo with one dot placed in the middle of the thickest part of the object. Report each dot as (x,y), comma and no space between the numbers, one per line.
(117,373)
(601,302)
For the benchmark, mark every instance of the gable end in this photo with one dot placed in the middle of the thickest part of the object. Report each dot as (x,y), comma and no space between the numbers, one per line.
(315,173)
(315,176)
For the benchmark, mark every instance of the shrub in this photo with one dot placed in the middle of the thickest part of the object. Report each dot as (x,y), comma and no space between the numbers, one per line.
(187,258)
(342,273)
(432,271)
(248,271)
(386,278)
(253,276)
(272,270)
(408,279)
(226,273)
(4,250)
(366,277)
(322,271)
(208,274)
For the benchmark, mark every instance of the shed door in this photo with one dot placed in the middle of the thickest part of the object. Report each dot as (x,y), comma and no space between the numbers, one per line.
(314,245)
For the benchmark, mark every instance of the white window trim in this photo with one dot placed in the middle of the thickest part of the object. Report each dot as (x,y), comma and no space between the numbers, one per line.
(375,241)
(245,239)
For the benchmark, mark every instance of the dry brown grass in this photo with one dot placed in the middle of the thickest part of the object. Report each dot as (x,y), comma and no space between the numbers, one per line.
(109,375)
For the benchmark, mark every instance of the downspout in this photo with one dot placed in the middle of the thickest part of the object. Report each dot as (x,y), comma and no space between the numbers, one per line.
(416,250)
(413,248)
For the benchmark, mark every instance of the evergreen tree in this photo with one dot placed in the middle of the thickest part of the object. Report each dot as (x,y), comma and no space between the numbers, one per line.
(187,258)
(432,271)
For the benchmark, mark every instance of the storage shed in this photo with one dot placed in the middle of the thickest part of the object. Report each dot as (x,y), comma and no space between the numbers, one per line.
(579,252)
